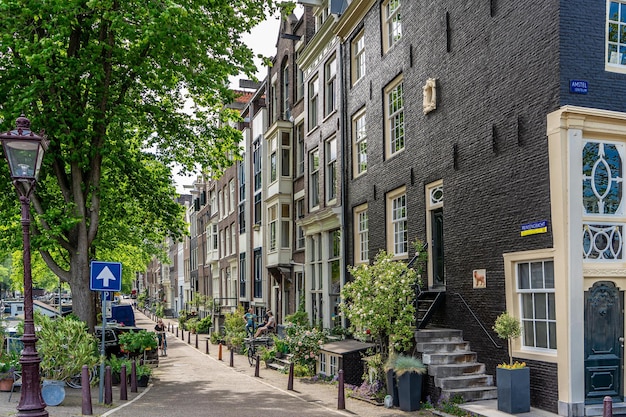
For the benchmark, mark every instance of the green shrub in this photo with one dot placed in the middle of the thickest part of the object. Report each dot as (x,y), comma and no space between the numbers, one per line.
(192,325)
(234,329)
(136,343)
(204,325)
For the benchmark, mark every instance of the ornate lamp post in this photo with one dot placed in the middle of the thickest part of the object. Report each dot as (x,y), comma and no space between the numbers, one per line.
(24,151)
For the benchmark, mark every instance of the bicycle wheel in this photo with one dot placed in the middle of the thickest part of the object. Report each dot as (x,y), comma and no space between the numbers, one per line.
(75,381)
(251,354)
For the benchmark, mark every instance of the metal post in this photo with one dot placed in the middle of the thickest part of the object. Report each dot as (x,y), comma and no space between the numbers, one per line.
(290,380)
(196,340)
(219,352)
(86,391)
(341,399)
(207,347)
(256,365)
(31,401)
(607,411)
(232,358)
(123,384)
(108,387)
(188,337)
(133,376)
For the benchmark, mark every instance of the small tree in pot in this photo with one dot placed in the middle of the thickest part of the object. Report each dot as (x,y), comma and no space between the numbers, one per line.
(512,379)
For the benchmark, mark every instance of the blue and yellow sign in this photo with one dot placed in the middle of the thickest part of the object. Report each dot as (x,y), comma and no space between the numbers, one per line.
(534,228)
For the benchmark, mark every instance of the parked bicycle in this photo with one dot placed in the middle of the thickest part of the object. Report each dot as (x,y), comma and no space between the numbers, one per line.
(253,344)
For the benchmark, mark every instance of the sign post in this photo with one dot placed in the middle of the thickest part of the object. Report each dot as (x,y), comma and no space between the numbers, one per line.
(104,277)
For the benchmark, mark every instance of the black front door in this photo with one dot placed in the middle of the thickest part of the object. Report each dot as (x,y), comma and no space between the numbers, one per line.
(437,248)
(603,342)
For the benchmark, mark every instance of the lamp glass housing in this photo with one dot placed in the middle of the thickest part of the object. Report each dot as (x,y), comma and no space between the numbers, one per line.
(25,155)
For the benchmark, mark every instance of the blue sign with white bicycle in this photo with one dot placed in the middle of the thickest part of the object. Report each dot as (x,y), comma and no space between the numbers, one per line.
(106,276)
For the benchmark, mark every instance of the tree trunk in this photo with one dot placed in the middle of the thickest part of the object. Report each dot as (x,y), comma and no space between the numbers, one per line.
(83,301)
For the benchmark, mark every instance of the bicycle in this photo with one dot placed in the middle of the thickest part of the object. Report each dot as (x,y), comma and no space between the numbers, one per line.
(75,381)
(252,345)
(162,343)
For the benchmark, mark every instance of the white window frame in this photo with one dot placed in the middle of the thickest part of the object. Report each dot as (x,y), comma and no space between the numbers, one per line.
(359,142)
(361,235)
(394,118)
(331,169)
(614,50)
(397,223)
(314,179)
(330,86)
(358,57)
(313,109)
(272,225)
(392,30)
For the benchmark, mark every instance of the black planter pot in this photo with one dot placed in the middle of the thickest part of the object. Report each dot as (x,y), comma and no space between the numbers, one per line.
(142,381)
(392,387)
(410,391)
(513,390)
(115,378)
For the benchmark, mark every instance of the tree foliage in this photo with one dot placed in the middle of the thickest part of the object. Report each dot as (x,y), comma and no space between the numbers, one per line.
(108,80)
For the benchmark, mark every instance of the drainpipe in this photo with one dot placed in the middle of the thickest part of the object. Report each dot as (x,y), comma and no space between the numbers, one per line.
(344,167)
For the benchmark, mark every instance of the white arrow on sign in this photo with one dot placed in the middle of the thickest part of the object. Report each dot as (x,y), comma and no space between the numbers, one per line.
(106,275)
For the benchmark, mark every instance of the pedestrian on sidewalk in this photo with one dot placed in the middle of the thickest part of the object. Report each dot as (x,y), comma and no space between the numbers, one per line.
(250,318)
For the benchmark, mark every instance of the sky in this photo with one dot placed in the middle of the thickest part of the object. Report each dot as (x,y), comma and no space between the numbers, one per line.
(262,40)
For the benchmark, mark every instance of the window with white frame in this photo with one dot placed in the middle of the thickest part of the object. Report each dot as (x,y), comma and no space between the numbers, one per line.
(331,169)
(299,229)
(313,102)
(299,80)
(358,57)
(300,148)
(243,279)
(314,178)
(213,200)
(257,168)
(226,201)
(220,198)
(397,232)
(272,220)
(322,363)
(274,95)
(285,86)
(231,191)
(330,81)
(616,36)
(241,175)
(285,152)
(361,231)
(535,289)
(271,145)
(214,239)
(233,236)
(285,223)
(316,278)
(394,117)
(222,250)
(392,31)
(227,247)
(258,274)
(359,140)
(334,365)
(603,201)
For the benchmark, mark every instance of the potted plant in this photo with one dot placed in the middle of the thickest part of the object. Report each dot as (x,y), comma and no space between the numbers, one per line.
(116,363)
(9,364)
(143,375)
(409,371)
(136,343)
(392,383)
(512,379)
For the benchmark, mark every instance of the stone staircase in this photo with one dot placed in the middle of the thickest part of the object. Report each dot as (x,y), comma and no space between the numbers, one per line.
(281,364)
(453,365)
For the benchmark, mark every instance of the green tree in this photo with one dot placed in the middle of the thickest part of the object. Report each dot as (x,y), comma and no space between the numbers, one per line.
(108,80)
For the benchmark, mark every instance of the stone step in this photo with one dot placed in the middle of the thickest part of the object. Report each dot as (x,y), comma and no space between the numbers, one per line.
(464,381)
(456,369)
(277,366)
(471,394)
(433,347)
(593,410)
(448,358)
(438,335)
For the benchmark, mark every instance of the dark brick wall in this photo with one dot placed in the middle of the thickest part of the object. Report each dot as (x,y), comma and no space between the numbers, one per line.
(495,87)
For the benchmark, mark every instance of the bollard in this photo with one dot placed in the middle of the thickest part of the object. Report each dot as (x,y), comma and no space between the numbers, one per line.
(169,327)
(256,365)
(232,358)
(177,332)
(219,352)
(123,384)
(182,334)
(196,340)
(608,407)
(133,376)
(207,347)
(108,391)
(188,337)
(341,399)
(290,380)
(86,389)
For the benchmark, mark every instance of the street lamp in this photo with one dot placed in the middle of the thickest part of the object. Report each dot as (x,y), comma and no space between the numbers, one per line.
(24,151)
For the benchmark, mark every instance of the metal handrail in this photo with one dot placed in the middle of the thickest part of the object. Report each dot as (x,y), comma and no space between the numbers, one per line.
(478,321)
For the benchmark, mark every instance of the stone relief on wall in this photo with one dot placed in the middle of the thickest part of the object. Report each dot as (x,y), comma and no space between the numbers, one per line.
(430,95)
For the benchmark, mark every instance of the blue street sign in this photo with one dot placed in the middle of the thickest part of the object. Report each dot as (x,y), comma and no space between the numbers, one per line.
(106,276)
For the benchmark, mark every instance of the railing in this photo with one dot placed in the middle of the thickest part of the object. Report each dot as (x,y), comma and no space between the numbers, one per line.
(225,305)
(478,321)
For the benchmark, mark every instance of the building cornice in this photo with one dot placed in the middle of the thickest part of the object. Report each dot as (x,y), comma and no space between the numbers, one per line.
(351,17)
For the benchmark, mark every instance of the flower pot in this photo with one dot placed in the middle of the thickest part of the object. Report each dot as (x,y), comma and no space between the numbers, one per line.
(410,391)
(115,378)
(513,390)
(142,381)
(392,387)
(6,384)
(53,392)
